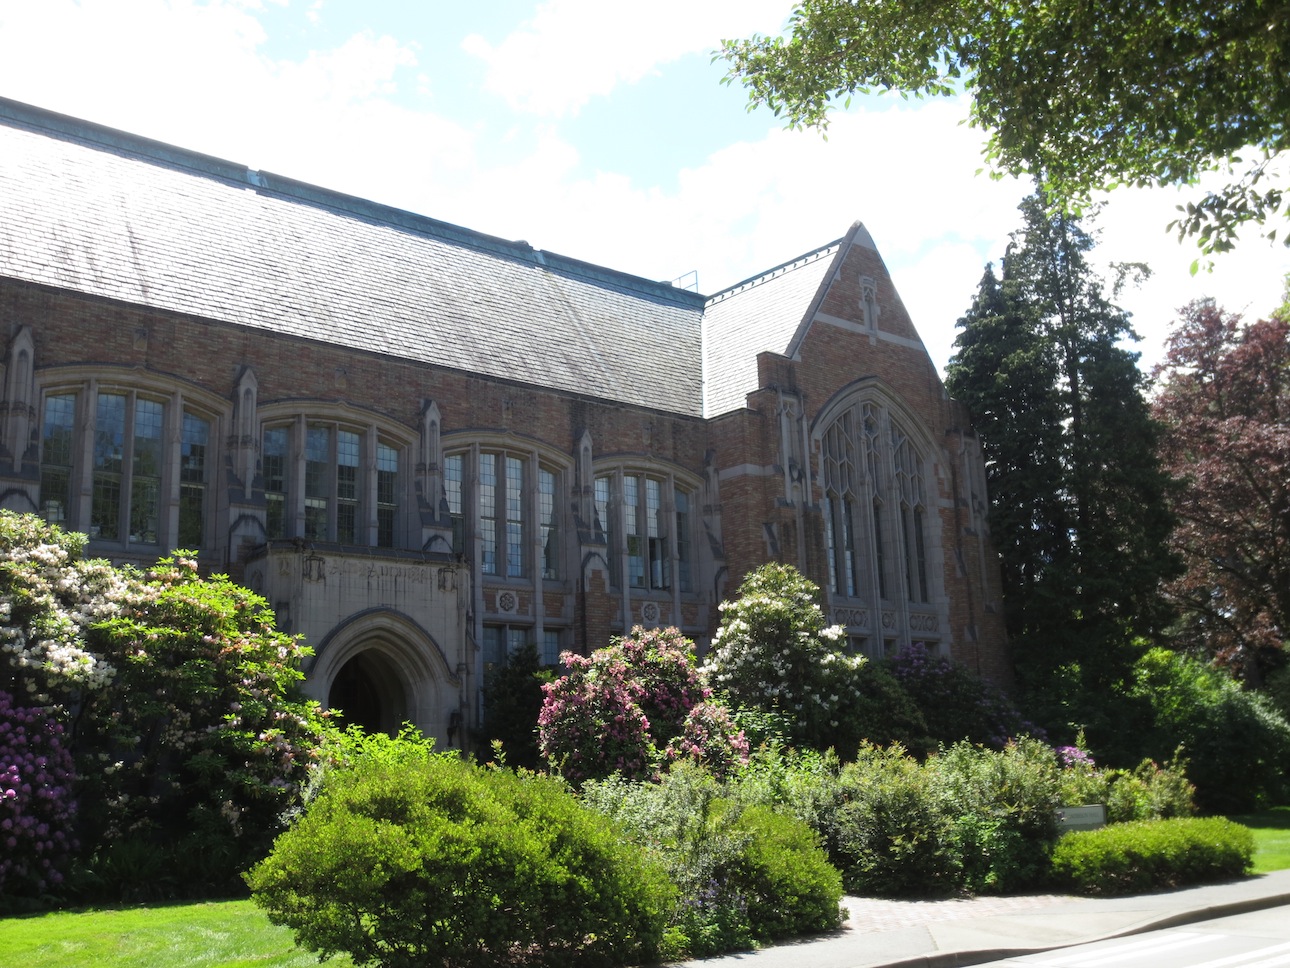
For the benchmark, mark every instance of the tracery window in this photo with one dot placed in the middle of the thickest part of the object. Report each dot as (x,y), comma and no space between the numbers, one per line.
(874,507)
(645,519)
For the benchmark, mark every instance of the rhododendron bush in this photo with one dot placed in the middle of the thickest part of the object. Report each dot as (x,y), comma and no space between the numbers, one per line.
(176,700)
(775,654)
(37,808)
(633,706)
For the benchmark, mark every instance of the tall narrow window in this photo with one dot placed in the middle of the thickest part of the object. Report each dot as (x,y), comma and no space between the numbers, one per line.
(514,517)
(880,557)
(194,440)
(488,513)
(145,476)
(452,477)
(387,476)
(683,550)
(550,647)
(660,559)
(830,543)
(57,439)
(318,487)
(109,463)
(632,531)
(274,469)
(347,454)
(608,527)
(909,483)
(920,554)
(547,522)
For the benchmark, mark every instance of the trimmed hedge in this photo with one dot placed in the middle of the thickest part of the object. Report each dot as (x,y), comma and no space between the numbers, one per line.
(1133,858)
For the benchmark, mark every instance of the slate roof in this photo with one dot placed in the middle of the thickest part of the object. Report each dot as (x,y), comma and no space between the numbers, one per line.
(759,314)
(96,211)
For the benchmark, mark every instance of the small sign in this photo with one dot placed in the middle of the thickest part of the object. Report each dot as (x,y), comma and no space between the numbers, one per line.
(1088,817)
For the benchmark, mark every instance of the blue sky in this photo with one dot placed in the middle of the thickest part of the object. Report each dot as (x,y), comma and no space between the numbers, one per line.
(595,129)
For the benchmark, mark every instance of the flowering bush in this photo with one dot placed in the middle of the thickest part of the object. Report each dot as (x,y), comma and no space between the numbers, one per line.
(774,655)
(709,736)
(956,704)
(49,599)
(618,709)
(177,699)
(202,741)
(37,809)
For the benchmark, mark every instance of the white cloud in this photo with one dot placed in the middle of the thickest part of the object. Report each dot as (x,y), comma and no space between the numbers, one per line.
(574,50)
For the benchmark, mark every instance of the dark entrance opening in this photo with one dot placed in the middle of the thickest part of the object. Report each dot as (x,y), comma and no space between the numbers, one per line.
(368,692)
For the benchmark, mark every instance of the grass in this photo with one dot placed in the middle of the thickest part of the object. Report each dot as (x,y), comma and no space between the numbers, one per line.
(222,934)
(1271,838)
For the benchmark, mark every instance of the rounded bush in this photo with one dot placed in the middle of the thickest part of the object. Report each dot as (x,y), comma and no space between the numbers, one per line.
(1131,858)
(789,885)
(404,864)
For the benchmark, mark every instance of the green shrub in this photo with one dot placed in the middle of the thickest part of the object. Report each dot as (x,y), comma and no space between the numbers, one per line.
(413,861)
(803,783)
(887,834)
(1001,806)
(1130,858)
(789,885)
(1149,792)
(1235,741)
(744,873)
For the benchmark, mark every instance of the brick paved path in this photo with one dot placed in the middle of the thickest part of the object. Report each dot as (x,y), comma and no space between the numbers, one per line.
(872,915)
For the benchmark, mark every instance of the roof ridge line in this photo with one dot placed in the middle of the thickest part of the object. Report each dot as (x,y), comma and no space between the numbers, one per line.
(806,258)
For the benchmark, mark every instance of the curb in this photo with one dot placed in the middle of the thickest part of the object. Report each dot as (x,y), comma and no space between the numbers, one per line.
(963,959)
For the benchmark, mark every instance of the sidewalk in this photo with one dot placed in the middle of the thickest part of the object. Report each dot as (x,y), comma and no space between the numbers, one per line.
(948,934)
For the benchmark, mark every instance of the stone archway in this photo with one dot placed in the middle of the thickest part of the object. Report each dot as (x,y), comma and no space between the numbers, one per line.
(369,691)
(381,670)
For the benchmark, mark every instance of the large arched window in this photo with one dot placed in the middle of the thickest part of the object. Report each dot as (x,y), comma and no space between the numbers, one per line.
(874,506)
(332,479)
(139,455)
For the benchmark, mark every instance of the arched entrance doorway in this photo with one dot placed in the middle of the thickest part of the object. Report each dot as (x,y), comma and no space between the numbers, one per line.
(380,670)
(368,691)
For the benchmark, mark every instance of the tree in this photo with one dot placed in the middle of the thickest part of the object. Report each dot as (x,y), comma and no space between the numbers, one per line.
(1077,493)
(1082,96)
(1224,402)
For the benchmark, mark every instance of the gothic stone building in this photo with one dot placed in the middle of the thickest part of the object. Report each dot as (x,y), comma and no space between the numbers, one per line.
(425,446)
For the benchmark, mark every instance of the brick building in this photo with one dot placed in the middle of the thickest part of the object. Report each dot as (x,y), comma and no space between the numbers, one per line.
(425,445)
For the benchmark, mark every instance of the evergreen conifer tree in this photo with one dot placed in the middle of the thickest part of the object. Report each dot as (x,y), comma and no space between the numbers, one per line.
(1078,497)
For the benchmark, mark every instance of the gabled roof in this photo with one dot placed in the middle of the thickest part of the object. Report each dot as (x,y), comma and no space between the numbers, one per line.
(107,214)
(766,312)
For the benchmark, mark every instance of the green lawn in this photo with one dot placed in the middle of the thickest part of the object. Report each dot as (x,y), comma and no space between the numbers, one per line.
(1271,838)
(225,934)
